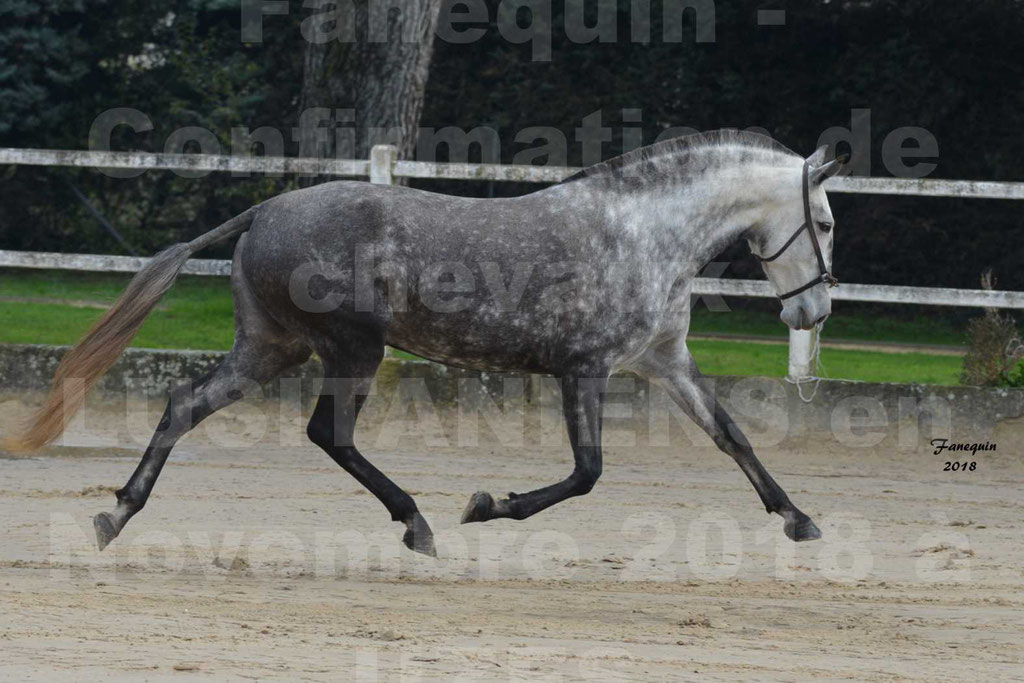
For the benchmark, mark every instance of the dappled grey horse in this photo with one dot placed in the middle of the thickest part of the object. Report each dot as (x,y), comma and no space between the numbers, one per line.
(579,280)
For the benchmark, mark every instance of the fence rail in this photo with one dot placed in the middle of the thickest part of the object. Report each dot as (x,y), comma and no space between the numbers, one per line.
(703,286)
(193,163)
(356,168)
(384,167)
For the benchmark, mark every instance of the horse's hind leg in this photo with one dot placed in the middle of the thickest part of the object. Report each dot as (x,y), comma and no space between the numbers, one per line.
(349,367)
(262,350)
(581,406)
(674,368)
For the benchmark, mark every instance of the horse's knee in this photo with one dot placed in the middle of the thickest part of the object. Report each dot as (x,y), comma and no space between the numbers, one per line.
(585,478)
(320,432)
(582,487)
(130,499)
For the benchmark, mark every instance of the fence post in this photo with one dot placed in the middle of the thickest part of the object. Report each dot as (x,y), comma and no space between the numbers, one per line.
(382,164)
(382,167)
(801,360)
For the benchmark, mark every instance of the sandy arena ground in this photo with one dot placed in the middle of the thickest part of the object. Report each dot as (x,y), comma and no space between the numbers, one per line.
(257,558)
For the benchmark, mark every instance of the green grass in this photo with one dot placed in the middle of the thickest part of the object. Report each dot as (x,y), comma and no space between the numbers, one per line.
(739,358)
(857,327)
(198,314)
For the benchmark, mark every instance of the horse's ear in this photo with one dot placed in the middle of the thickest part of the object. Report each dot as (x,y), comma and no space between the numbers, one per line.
(818,158)
(822,173)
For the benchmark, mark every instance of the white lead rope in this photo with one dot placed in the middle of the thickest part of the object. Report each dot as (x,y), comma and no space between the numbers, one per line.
(818,367)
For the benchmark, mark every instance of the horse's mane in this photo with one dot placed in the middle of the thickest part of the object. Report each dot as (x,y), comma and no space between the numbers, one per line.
(742,142)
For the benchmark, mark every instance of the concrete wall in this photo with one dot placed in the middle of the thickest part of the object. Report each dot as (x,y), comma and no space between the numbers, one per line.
(769,409)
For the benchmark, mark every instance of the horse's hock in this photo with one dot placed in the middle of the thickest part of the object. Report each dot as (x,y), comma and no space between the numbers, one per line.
(771,411)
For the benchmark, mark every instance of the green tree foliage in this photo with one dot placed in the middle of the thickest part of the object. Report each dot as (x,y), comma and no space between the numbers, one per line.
(179,62)
(953,69)
(43,60)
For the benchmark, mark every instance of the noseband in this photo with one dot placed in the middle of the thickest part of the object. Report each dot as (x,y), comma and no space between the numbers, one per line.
(825,277)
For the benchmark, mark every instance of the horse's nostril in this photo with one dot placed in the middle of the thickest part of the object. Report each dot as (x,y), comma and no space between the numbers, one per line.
(821,319)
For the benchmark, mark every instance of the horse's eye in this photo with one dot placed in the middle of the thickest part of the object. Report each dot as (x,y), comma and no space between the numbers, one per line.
(825,227)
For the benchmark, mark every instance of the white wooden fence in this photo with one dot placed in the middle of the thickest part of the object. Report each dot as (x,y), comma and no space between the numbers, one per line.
(384,167)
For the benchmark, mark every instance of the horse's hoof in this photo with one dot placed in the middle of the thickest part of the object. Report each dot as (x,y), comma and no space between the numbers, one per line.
(479,508)
(105,529)
(799,527)
(419,537)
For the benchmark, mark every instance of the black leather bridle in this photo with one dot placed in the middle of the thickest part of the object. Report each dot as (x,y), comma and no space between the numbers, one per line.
(825,277)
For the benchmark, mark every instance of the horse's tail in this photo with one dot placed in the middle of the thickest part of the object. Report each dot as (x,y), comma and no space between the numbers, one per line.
(101,346)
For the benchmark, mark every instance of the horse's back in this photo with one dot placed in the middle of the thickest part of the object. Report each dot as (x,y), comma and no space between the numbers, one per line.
(487,283)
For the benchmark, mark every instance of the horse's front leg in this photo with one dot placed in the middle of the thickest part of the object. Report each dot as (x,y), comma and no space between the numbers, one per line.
(581,404)
(672,367)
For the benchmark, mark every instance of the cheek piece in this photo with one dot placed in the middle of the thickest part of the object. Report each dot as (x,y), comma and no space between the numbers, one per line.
(825,277)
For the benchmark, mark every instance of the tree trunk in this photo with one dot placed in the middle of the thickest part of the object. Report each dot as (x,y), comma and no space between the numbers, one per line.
(361,85)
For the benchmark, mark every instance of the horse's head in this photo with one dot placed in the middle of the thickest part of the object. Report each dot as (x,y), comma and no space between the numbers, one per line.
(793,241)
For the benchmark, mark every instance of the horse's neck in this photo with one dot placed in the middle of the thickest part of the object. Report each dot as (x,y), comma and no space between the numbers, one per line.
(692,222)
